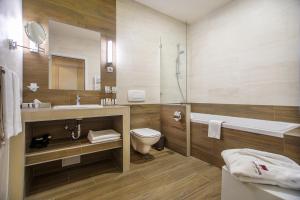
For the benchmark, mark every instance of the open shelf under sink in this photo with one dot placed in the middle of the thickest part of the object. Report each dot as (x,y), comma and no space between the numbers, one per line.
(64,148)
(40,183)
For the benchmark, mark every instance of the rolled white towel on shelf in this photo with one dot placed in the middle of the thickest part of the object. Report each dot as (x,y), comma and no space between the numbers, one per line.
(214,129)
(254,166)
(103,136)
(8,105)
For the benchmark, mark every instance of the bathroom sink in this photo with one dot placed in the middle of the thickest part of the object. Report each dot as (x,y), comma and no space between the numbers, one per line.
(85,106)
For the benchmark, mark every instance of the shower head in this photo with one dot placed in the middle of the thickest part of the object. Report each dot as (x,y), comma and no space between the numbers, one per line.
(181,52)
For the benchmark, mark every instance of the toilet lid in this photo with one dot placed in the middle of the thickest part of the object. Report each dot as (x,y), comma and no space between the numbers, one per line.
(145,132)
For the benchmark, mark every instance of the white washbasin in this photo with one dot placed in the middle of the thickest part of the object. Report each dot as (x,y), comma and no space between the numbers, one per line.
(84,106)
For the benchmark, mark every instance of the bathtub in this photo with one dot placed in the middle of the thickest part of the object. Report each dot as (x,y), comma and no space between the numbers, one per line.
(265,127)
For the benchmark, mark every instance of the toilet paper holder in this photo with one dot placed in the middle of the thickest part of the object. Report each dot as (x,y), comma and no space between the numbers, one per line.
(177,116)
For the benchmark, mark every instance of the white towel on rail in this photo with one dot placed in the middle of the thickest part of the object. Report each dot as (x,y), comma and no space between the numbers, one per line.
(8,104)
(12,125)
(17,104)
(255,166)
(214,128)
(11,104)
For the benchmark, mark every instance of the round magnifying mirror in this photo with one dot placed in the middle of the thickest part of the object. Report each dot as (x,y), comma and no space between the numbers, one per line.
(35,32)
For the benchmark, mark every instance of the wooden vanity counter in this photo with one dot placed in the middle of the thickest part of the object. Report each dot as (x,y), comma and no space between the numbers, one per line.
(118,117)
(48,114)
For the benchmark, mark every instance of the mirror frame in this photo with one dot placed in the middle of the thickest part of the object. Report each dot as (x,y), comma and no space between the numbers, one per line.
(30,37)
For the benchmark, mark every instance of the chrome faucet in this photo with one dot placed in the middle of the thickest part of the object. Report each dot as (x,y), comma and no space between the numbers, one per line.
(77,100)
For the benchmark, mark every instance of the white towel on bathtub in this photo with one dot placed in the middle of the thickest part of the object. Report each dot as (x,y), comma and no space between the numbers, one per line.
(255,166)
(214,128)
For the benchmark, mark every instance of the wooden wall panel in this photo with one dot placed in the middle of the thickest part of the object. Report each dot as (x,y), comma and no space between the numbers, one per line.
(97,15)
(275,113)
(287,113)
(145,116)
(209,149)
(66,97)
(175,132)
(202,147)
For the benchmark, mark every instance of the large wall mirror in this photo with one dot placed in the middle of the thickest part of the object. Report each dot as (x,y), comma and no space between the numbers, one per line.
(74,58)
(74,51)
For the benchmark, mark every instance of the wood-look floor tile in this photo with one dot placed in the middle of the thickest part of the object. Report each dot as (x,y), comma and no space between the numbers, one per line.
(168,176)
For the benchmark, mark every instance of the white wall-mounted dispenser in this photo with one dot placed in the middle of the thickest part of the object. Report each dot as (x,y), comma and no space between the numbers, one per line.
(136,95)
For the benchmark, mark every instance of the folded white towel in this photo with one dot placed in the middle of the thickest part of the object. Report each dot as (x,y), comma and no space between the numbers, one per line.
(104,140)
(214,128)
(104,135)
(254,166)
(11,104)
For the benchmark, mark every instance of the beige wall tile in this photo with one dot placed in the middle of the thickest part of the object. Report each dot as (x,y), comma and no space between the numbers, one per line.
(246,53)
(139,31)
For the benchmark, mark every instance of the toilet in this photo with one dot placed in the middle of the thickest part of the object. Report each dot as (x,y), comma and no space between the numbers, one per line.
(143,138)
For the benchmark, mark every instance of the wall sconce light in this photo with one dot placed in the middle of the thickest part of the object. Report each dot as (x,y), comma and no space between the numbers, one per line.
(109,52)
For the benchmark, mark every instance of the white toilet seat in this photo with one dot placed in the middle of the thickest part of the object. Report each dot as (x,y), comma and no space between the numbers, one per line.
(145,132)
(143,138)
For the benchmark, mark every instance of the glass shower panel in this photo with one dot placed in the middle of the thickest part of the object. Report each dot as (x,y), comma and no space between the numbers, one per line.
(173,70)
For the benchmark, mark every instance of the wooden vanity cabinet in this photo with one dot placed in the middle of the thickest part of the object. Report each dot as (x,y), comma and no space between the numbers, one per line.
(42,167)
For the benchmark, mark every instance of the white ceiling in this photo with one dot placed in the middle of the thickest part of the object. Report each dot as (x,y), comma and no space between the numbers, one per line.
(184,10)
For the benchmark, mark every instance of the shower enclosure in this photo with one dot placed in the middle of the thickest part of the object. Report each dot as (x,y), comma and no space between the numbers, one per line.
(174,110)
(173,70)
